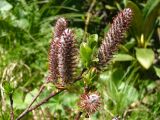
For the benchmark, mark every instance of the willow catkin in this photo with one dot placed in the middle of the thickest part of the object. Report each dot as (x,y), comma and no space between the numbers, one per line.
(60,26)
(89,102)
(115,35)
(67,56)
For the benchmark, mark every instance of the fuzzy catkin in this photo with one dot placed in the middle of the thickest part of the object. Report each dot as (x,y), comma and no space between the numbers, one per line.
(115,35)
(53,57)
(89,102)
(60,26)
(67,56)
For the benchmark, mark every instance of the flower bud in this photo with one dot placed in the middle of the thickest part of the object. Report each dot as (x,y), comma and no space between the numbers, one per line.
(60,26)
(89,102)
(67,60)
(115,35)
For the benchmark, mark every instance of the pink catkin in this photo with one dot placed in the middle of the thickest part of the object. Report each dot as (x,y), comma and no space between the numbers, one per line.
(60,26)
(89,102)
(67,56)
(62,54)
(115,35)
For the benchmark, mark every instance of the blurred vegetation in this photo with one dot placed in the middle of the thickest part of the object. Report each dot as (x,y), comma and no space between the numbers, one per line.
(129,85)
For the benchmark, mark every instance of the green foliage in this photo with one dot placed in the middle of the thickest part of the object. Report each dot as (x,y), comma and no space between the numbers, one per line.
(157,70)
(123,57)
(144,20)
(145,57)
(137,19)
(86,54)
(88,49)
(90,76)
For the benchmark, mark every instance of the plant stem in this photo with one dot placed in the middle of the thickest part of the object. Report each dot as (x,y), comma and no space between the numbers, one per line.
(39,104)
(34,99)
(46,99)
(78,116)
(88,16)
(11,103)
(29,108)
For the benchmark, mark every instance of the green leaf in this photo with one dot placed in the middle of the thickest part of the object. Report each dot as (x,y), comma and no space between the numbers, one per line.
(117,75)
(92,40)
(123,57)
(109,7)
(150,5)
(90,76)
(5,6)
(8,88)
(145,57)
(157,70)
(79,34)
(18,100)
(130,44)
(137,19)
(22,23)
(30,96)
(104,76)
(129,92)
(151,86)
(85,54)
(150,15)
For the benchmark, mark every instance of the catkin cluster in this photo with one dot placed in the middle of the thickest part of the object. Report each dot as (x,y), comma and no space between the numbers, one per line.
(62,54)
(90,102)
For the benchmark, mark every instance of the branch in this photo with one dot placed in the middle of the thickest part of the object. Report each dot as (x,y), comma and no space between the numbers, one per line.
(29,108)
(34,99)
(46,99)
(88,16)
(39,104)
(78,116)
(11,103)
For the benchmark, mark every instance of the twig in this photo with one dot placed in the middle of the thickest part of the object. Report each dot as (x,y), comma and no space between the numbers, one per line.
(34,99)
(78,116)
(46,99)
(11,103)
(51,95)
(29,109)
(39,104)
(88,16)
